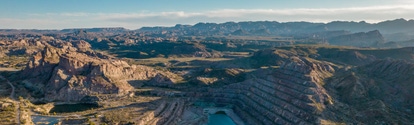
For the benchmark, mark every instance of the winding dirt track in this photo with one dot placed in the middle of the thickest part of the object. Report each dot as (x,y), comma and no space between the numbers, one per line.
(11,85)
(12,96)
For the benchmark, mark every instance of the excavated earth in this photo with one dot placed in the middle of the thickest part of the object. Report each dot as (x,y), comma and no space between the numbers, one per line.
(308,91)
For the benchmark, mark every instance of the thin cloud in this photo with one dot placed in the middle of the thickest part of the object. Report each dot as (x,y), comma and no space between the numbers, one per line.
(136,20)
(267,13)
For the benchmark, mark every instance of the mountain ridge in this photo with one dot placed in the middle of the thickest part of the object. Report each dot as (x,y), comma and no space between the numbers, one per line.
(385,22)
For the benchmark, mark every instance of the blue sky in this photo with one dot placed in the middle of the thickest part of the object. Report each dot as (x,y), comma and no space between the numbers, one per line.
(133,14)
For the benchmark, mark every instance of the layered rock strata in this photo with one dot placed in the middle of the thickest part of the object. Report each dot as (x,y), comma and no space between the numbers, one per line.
(167,113)
(66,75)
(292,94)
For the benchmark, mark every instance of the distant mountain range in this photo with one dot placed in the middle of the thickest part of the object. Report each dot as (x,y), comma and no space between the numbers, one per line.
(393,30)
(386,27)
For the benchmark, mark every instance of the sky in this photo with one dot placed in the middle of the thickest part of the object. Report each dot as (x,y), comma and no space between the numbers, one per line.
(134,14)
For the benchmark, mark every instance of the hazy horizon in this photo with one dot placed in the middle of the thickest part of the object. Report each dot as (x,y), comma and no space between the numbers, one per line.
(197,23)
(131,14)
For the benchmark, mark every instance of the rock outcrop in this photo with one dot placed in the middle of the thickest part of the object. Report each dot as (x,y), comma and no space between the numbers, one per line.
(21,47)
(82,45)
(66,75)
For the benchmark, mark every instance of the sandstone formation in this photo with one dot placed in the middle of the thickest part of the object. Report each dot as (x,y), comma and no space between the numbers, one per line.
(21,47)
(66,75)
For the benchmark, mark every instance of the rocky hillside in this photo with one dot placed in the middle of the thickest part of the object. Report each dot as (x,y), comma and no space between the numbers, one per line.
(362,39)
(293,94)
(62,74)
(377,93)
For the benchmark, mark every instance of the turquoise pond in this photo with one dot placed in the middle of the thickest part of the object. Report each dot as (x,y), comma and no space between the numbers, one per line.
(219,119)
(45,120)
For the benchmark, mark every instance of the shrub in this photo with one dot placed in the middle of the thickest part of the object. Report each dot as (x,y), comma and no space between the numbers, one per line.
(22,121)
(91,123)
